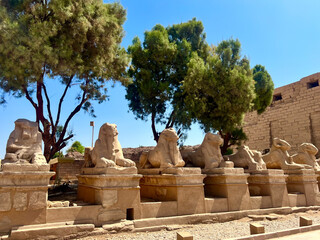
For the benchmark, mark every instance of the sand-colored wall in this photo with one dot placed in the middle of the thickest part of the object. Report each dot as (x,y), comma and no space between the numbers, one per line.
(295,118)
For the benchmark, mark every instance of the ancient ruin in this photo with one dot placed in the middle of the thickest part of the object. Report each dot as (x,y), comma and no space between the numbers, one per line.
(248,159)
(24,178)
(279,158)
(208,155)
(293,115)
(166,154)
(112,189)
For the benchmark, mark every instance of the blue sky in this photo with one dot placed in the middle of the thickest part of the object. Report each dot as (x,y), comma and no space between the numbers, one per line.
(282,35)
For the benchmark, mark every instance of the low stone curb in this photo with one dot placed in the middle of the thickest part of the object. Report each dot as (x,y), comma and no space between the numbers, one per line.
(215,217)
(283,233)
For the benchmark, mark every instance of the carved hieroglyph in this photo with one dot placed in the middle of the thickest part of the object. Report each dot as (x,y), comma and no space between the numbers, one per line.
(107,151)
(166,154)
(24,144)
(208,155)
(307,155)
(278,157)
(249,159)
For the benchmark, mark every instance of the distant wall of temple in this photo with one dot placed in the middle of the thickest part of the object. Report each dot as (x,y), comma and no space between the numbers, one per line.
(294,116)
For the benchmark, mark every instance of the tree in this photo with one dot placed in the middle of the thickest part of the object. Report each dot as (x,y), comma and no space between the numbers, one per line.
(158,68)
(76,147)
(75,42)
(221,89)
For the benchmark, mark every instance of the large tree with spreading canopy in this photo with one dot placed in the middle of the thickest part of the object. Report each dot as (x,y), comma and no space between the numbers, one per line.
(220,89)
(74,42)
(158,67)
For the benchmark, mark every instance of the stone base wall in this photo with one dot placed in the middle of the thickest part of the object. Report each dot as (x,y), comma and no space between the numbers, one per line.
(294,116)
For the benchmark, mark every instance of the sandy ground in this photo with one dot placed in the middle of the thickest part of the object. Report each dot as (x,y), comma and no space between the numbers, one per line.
(232,229)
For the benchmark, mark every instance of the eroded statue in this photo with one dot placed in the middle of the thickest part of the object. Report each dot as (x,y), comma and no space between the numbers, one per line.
(166,154)
(25,144)
(307,155)
(278,157)
(208,155)
(248,159)
(107,151)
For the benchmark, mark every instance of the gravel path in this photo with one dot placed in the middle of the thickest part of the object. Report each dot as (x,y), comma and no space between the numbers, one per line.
(216,231)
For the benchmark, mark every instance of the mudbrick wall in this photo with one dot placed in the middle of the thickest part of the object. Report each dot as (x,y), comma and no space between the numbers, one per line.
(294,116)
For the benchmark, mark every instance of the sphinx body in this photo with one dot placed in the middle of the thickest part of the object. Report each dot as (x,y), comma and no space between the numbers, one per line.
(107,151)
(25,144)
(279,158)
(248,159)
(208,155)
(307,155)
(165,155)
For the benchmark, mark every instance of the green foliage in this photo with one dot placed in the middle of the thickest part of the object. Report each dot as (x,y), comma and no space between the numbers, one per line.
(158,68)
(76,147)
(76,42)
(263,87)
(58,154)
(220,89)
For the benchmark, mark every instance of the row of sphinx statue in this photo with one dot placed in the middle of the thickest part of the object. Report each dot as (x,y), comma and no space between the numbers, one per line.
(24,147)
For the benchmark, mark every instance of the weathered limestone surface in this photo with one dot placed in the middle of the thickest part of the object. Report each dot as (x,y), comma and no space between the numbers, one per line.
(107,153)
(110,179)
(24,178)
(116,194)
(166,154)
(294,116)
(230,183)
(269,182)
(185,187)
(208,155)
(278,157)
(304,181)
(307,155)
(248,159)
(24,144)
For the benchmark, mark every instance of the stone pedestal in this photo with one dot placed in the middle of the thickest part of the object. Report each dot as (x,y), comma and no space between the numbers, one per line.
(270,182)
(184,185)
(23,195)
(118,192)
(230,183)
(304,181)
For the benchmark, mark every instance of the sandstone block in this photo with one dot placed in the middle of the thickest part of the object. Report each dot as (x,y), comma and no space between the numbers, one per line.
(304,221)
(5,201)
(184,236)
(37,200)
(256,228)
(20,201)
(109,198)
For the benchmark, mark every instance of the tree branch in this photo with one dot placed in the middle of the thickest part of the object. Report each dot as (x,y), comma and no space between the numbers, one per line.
(29,97)
(61,100)
(153,126)
(170,120)
(48,107)
(76,110)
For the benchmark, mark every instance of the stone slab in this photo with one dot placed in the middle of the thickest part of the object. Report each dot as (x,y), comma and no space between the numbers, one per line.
(226,170)
(109,170)
(173,171)
(16,167)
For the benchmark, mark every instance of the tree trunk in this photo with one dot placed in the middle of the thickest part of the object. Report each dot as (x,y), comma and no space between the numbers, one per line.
(226,138)
(153,126)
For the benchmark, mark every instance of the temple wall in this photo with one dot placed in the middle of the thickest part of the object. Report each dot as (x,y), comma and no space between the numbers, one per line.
(294,116)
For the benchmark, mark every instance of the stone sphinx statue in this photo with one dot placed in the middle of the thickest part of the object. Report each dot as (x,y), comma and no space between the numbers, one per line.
(278,157)
(107,151)
(248,159)
(165,155)
(307,155)
(208,155)
(24,145)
